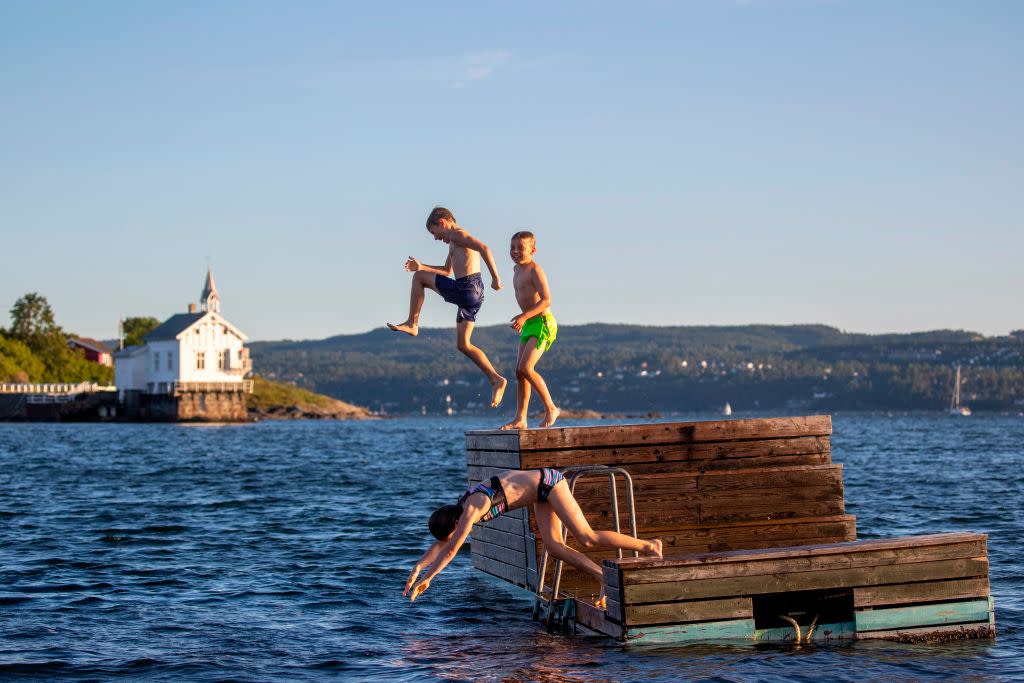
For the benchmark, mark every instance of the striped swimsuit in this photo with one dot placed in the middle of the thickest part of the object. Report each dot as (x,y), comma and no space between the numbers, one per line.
(549,478)
(492,489)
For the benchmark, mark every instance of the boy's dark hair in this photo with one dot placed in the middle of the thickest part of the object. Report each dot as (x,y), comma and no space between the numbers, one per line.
(437,214)
(525,235)
(444,520)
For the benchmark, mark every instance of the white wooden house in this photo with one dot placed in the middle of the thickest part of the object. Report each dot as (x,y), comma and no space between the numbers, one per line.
(195,353)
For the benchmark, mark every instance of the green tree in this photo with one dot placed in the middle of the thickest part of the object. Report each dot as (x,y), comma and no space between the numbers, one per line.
(18,363)
(36,349)
(32,318)
(138,327)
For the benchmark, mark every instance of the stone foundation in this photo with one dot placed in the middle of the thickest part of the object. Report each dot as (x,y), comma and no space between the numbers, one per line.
(189,406)
(212,406)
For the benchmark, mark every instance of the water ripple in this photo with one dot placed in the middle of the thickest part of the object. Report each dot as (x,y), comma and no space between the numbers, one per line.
(277,551)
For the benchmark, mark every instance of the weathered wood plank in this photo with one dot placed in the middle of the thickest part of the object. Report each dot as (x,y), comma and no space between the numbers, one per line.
(594,618)
(808,580)
(512,525)
(808,501)
(656,516)
(755,479)
(765,534)
(698,466)
(516,558)
(492,441)
(498,537)
(776,533)
(928,591)
(611,576)
(783,565)
(672,432)
(705,631)
(718,609)
(516,575)
(736,453)
(614,609)
(803,551)
(759,534)
(531,552)
(502,459)
(780,477)
(916,616)
(478,473)
(976,630)
(665,500)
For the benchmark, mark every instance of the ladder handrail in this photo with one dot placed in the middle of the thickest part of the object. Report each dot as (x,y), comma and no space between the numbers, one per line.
(574,473)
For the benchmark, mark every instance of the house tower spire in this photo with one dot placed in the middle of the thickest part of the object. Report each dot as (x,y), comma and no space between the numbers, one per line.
(209,297)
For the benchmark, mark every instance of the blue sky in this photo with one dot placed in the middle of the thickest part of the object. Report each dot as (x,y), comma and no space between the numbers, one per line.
(858,164)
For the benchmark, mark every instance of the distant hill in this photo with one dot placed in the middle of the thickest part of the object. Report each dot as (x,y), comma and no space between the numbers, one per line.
(641,368)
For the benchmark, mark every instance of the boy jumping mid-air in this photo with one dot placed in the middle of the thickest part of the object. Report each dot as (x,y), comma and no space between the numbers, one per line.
(465,291)
(536,327)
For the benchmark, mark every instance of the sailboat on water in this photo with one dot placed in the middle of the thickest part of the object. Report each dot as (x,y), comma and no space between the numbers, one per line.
(954,407)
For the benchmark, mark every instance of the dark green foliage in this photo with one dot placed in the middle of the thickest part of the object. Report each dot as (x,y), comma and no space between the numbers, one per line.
(35,349)
(32,320)
(138,327)
(17,362)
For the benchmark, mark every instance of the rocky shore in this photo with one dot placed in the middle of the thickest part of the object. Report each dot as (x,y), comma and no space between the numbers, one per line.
(276,401)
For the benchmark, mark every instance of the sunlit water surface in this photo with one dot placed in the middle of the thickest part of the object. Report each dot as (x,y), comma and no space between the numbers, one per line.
(277,551)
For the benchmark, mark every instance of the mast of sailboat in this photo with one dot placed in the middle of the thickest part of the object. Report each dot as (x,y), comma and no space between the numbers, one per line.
(956,390)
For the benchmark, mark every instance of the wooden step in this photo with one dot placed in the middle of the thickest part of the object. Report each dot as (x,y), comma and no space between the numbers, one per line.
(648,434)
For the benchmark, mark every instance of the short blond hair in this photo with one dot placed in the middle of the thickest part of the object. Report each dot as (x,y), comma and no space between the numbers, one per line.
(525,235)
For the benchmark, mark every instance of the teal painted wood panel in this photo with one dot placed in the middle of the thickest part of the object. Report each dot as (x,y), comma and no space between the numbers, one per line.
(823,633)
(732,629)
(937,633)
(922,615)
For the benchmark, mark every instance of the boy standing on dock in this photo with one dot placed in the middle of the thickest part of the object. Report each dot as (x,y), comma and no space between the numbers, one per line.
(466,290)
(536,327)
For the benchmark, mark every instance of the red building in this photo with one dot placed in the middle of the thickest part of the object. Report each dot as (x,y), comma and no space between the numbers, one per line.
(96,351)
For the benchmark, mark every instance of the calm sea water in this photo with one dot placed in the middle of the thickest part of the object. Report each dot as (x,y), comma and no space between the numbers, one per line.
(277,551)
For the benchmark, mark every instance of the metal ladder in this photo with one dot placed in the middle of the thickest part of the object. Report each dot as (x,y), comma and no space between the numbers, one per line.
(573,474)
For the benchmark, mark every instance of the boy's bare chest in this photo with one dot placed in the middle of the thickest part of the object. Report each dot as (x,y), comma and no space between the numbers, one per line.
(523,279)
(460,253)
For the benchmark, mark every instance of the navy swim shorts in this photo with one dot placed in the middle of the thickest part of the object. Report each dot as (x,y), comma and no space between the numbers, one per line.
(466,292)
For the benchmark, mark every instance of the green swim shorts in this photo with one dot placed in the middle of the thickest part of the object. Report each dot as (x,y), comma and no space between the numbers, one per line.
(543,327)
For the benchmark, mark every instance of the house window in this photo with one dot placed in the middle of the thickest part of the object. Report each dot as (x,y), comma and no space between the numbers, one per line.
(156,360)
(200,361)
(222,360)
(170,360)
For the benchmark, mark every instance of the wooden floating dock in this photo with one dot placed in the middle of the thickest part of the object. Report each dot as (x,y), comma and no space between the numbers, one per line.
(757,541)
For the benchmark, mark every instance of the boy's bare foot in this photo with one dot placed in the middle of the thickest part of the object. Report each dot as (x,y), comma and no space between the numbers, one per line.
(411,329)
(550,417)
(497,391)
(655,549)
(601,602)
(515,424)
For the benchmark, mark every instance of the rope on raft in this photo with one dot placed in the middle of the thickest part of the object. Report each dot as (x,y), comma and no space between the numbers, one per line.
(801,637)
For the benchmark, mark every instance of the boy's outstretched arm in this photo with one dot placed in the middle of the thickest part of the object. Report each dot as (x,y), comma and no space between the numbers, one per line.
(462,238)
(540,281)
(448,550)
(412,265)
